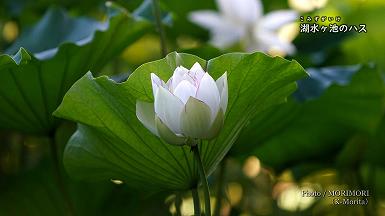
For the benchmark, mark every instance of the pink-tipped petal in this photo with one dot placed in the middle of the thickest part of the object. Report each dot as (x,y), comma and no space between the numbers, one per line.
(178,76)
(197,71)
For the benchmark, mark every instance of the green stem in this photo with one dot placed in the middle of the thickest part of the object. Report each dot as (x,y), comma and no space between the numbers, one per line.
(361,186)
(220,188)
(158,20)
(197,203)
(203,178)
(58,175)
(372,187)
(178,203)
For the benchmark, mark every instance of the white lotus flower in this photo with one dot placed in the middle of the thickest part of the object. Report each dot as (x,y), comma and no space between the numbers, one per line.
(307,5)
(190,105)
(243,20)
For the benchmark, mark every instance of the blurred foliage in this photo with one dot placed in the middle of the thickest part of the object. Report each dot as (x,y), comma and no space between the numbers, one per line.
(324,120)
(33,91)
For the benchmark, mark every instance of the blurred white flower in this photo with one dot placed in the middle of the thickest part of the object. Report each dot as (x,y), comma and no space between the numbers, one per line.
(307,5)
(243,20)
(190,105)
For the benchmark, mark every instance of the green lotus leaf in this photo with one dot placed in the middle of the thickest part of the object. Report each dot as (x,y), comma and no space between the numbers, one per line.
(112,143)
(33,85)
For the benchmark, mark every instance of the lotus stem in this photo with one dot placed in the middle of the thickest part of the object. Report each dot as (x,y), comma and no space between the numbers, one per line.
(178,203)
(197,203)
(220,187)
(203,179)
(158,20)
(58,175)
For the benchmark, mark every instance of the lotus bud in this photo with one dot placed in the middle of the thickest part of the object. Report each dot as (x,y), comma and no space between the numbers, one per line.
(190,105)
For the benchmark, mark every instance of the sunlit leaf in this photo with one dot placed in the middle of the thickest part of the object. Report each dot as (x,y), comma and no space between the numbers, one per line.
(111,142)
